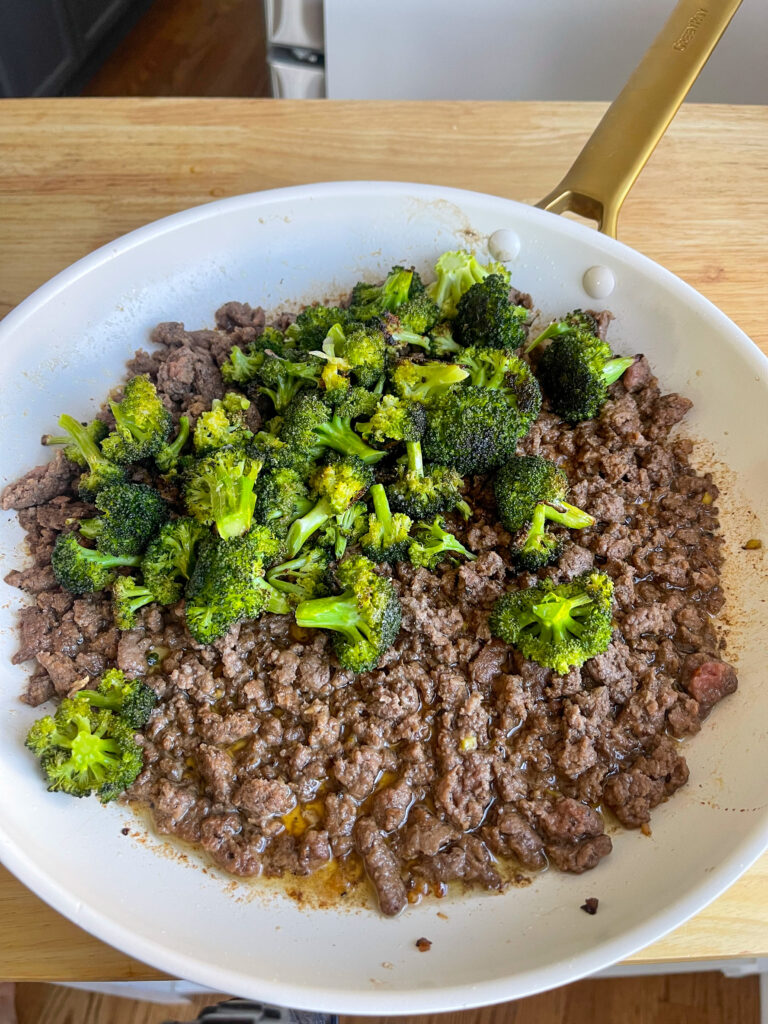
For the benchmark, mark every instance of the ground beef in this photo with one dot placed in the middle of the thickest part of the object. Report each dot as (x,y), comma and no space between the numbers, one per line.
(456,760)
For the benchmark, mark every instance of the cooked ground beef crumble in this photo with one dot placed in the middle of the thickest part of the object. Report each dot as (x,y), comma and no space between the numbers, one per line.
(455,754)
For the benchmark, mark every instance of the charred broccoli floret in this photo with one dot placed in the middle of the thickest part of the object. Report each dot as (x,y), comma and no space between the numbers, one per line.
(371,301)
(365,618)
(84,451)
(82,750)
(310,427)
(282,497)
(228,583)
(313,325)
(142,423)
(432,544)
(412,321)
(531,491)
(335,486)
(356,402)
(473,428)
(559,627)
(82,570)
(395,419)
(456,273)
(576,370)
(424,492)
(167,458)
(495,368)
(170,558)
(223,424)
(485,318)
(303,577)
(388,535)
(425,382)
(442,342)
(132,699)
(131,514)
(219,490)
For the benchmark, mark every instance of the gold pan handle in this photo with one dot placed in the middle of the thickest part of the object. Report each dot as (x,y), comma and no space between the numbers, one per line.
(618,149)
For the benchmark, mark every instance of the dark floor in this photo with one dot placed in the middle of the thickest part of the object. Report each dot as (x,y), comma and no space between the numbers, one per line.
(189,48)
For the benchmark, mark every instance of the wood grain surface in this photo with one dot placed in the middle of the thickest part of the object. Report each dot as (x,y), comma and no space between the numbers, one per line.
(77,173)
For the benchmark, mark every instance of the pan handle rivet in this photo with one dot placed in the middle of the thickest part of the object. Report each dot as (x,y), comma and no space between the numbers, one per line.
(598,282)
(504,245)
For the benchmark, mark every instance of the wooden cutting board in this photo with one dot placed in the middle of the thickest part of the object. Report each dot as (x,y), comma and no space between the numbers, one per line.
(76,173)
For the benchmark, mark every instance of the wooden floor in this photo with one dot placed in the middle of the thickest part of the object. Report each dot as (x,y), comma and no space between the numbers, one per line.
(189,48)
(671,999)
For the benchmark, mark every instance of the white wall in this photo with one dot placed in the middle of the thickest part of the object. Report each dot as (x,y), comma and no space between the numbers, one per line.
(523,49)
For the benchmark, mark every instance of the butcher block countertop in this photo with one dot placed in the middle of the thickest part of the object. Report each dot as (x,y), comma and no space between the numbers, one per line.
(77,173)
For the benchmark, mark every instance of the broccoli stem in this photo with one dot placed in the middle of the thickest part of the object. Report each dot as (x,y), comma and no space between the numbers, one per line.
(285,569)
(381,506)
(415,459)
(169,453)
(338,613)
(614,368)
(278,603)
(554,617)
(86,445)
(555,329)
(302,529)
(90,528)
(339,435)
(565,515)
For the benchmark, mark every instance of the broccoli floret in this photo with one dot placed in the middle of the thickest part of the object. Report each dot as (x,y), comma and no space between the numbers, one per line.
(82,570)
(219,489)
(355,402)
(395,419)
(142,422)
(282,497)
(485,317)
(128,597)
(170,558)
(473,428)
(432,544)
(412,321)
(83,750)
(131,514)
(131,699)
(228,584)
(223,424)
(310,427)
(426,492)
(577,369)
(282,379)
(388,535)
(370,301)
(559,627)
(442,342)
(495,368)
(343,529)
(302,578)
(365,618)
(241,366)
(335,486)
(335,369)
(313,325)
(425,382)
(364,348)
(167,458)
(456,273)
(96,430)
(530,491)
(575,321)
(82,444)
